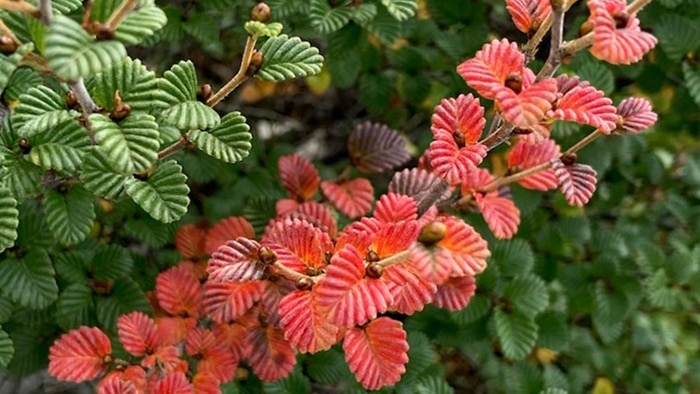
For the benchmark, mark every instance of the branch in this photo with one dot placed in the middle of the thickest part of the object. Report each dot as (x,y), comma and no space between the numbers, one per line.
(8,33)
(21,6)
(46,12)
(554,59)
(239,77)
(86,103)
(395,259)
(174,147)
(120,13)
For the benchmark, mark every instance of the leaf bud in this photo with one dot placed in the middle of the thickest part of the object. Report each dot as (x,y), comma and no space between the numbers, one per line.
(261,12)
(24,145)
(266,255)
(120,111)
(458,137)
(8,46)
(256,62)
(569,159)
(514,83)
(371,256)
(374,270)
(621,20)
(585,28)
(205,91)
(304,283)
(104,32)
(432,233)
(71,100)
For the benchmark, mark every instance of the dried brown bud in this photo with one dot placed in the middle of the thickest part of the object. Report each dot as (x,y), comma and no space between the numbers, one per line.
(585,28)
(371,256)
(514,83)
(205,91)
(24,145)
(120,111)
(374,270)
(304,283)
(432,233)
(104,32)
(261,13)
(621,20)
(256,62)
(569,159)
(8,46)
(266,255)
(71,100)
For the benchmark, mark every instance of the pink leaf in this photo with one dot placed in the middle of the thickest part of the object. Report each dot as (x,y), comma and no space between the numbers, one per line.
(451,161)
(577,182)
(304,327)
(636,114)
(316,214)
(526,155)
(228,229)
(137,332)
(491,66)
(298,176)
(298,244)
(359,234)
(374,147)
(225,302)
(377,353)
(455,293)
(80,355)
(464,245)
(500,214)
(526,108)
(617,36)
(585,104)
(410,291)
(476,180)
(236,261)
(463,116)
(352,198)
(395,207)
(433,267)
(179,292)
(270,355)
(528,15)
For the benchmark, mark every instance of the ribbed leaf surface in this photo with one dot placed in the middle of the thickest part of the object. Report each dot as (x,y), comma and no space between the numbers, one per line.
(516,332)
(270,355)
(455,293)
(8,64)
(373,147)
(527,294)
(72,53)
(141,23)
(501,214)
(236,261)
(190,115)
(692,81)
(7,349)
(20,82)
(528,15)
(173,383)
(637,114)
(61,148)
(306,329)
(401,9)
(178,292)
(229,141)
(491,65)
(584,104)
(352,198)
(425,188)
(623,45)
(134,82)
(70,215)
(326,19)
(178,88)
(164,195)
(527,108)
(111,263)
(39,105)
(288,58)
(298,244)
(79,355)
(377,353)
(298,176)
(9,219)
(131,144)
(394,207)
(227,229)
(410,291)
(226,302)
(384,26)
(29,281)
(137,333)
(101,177)
(577,182)
(74,306)
(451,161)
(525,155)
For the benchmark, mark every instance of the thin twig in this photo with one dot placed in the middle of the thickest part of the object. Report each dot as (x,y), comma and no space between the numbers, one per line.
(86,103)
(8,33)
(240,76)
(120,13)
(291,274)
(174,147)
(554,59)
(21,6)
(395,259)
(46,12)
(636,6)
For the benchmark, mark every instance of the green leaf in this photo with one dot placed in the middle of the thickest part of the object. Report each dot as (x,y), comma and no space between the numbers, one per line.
(598,74)
(7,350)
(9,219)
(6,307)
(229,141)
(692,81)
(288,58)
(150,231)
(433,385)
(364,13)
(191,115)
(528,294)
(61,148)
(259,29)
(677,35)
(142,22)
(65,6)
(553,390)
(137,86)
(479,306)
(375,91)
(31,350)
(21,177)
(401,9)
(8,64)
(516,332)
(111,263)
(326,19)
(179,84)
(125,296)
(73,266)
(553,330)
(295,383)
(32,232)
(29,281)
(513,257)
(609,313)
(70,214)
(384,26)
(178,88)
(40,107)
(72,53)
(328,367)
(132,144)
(101,177)
(74,306)
(20,82)
(164,195)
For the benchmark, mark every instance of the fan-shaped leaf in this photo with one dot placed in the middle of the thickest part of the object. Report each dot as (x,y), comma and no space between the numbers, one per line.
(452,161)
(229,141)
(374,147)
(364,13)
(525,155)
(164,195)
(346,295)
(111,263)
(137,333)
(401,9)
(142,22)
(229,228)
(131,144)
(637,114)
(501,215)
(74,306)
(213,357)
(298,176)
(30,281)
(191,115)
(70,214)
(353,198)
(577,181)
(585,104)
(126,296)
(236,261)
(490,67)
(178,292)
(80,355)
(462,117)
(39,106)
(7,349)
(101,177)
(527,108)
(377,353)
(516,332)
(317,214)
(60,148)
(463,246)
(623,45)
(9,219)
(676,34)
(287,58)
(384,26)
(226,302)
(189,241)
(8,65)
(72,53)
(528,294)
(173,383)
(528,15)
(136,85)
(20,82)
(326,19)
(394,207)
(270,355)
(304,326)
(298,244)
(178,88)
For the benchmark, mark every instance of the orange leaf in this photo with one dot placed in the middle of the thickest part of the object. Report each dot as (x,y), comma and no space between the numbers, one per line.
(270,355)
(179,292)
(205,383)
(226,229)
(452,161)
(298,176)
(528,15)
(137,332)
(173,383)
(166,359)
(189,241)
(304,326)
(464,246)
(213,356)
(80,355)
(352,198)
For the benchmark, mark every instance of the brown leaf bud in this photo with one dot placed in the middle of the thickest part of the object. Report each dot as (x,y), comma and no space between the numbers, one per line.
(585,28)
(104,32)
(261,13)
(7,45)
(205,91)
(374,270)
(256,62)
(71,100)
(514,83)
(569,159)
(304,283)
(432,233)
(266,255)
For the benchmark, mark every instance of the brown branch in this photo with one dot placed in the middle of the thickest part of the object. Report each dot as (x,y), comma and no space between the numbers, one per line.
(294,275)
(554,58)
(174,147)
(8,33)
(636,6)
(21,6)
(240,76)
(395,259)
(87,105)
(46,12)
(119,14)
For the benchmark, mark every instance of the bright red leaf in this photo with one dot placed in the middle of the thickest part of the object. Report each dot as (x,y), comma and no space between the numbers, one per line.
(167,359)
(359,233)
(80,355)
(212,356)
(178,292)
(270,300)
(463,117)
(455,293)
(636,114)
(410,291)
(352,198)
(618,39)
(298,176)
(232,335)
(528,15)
(452,161)
(116,386)
(225,302)
(346,295)
(205,383)
(173,330)
(525,107)
(500,214)
(583,103)
(138,333)
(270,355)
(374,147)
(236,261)
(491,66)
(464,245)
(173,383)
(577,182)
(133,376)
(227,229)
(298,244)
(526,155)
(317,214)
(304,326)
(377,353)
(394,207)
(394,238)
(190,240)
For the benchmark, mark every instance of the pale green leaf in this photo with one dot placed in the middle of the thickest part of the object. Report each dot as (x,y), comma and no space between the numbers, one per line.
(179,84)
(528,294)
(258,29)
(401,9)
(65,6)
(7,349)
(61,148)
(72,53)
(190,115)
(29,281)
(137,87)
(516,332)
(36,104)
(70,214)
(9,219)
(131,145)
(164,195)
(8,64)
(287,58)
(101,177)
(21,81)
(433,385)
(692,81)
(364,13)
(326,19)
(229,141)
(141,23)
(73,306)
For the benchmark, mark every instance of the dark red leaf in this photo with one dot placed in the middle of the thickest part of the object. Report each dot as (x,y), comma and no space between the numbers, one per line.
(636,114)
(166,359)
(270,300)
(374,147)
(315,213)
(377,353)
(455,293)
(304,326)
(270,355)
(179,292)
(423,186)
(352,198)
(298,176)
(190,241)
(80,355)
(228,229)
(577,182)
(137,332)
(236,261)
(213,357)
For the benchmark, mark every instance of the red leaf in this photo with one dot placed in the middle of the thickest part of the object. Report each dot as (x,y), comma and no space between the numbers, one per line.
(199,340)
(528,15)
(577,182)
(584,104)
(451,161)
(410,291)
(500,214)
(455,293)
(476,180)
(298,244)
(298,176)
(232,335)
(179,292)
(377,353)
(190,240)
(346,295)
(285,206)
(227,229)
(132,377)
(423,186)
(464,246)
(352,198)
(137,332)
(270,355)
(80,355)
(316,214)
(394,238)
(359,234)
(225,302)
(491,66)
(395,207)
(205,383)
(463,116)
(166,359)
(636,114)
(525,109)
(173,383)
(173,330)
(236,261)
(624,45)
(214,357)
(116,386)
(304,326)
(270,301)
(526,155)
(433,267)
(374,147)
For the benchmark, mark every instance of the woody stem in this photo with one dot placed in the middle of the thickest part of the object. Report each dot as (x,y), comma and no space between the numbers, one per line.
(291,274)
(120,13)
(239,77)
(394,259)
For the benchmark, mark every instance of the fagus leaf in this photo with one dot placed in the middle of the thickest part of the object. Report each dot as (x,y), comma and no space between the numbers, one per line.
(20,82)
(7,349)
(135,84)
(79,355)
(101,177)
(401,9)
(61,147)
(39,105)
(528,294)
(70,214)
(517,333)
(9,219)
(111,263)
(229,141)
(287,58)
(74,306)
(29,281)
(8,65)
(326,19)
(384,25)
(692,81)
(164,195)
(178,88)
(125,296)
(142,22)
(131,145)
